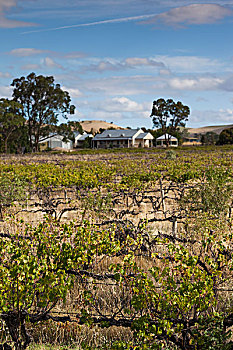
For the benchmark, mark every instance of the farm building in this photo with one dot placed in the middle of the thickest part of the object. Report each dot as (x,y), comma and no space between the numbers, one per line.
(80,139)
(166,140)
(125,138)
(54,141)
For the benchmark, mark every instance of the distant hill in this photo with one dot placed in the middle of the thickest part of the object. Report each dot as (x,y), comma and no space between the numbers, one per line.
(96,125)
(204,129)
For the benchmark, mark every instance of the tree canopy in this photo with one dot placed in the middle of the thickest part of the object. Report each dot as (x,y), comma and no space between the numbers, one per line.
(226,137)
(209,138)
(43,102)
(11,119)
(168,115)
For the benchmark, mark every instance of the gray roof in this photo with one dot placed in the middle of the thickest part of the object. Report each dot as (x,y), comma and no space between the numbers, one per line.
(143,135)
(116,134)
(52,137)
(76,133)
(84,136)
(168,137)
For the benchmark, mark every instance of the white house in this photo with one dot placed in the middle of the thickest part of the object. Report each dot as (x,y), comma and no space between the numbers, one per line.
(123,139)
(165,140)
(54,141)
(79,139)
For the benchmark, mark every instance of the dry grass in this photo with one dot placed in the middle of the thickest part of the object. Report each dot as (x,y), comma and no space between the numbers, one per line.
(95,125)
(216,129)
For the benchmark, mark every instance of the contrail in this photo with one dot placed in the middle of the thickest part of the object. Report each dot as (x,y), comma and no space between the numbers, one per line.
(116,20)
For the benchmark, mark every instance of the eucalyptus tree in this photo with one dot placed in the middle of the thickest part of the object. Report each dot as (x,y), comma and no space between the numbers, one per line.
(169,116)
(11,119)
(43,102)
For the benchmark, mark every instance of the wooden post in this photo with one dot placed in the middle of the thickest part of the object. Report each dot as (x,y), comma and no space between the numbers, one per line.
(174,227)
(162,198)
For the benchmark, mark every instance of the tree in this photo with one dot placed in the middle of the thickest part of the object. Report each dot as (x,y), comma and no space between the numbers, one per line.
(226,137)
(43,101)
(210,138)
(67,130)
(75,126)
(11,119)
(169,116)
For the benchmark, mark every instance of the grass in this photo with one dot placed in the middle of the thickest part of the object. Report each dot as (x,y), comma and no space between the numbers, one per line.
(51,347)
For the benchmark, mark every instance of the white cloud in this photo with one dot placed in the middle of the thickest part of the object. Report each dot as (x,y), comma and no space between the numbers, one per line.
(5,75)
(25,52)
(156,84)
(74,93)
(121,104)
(227,84)
(9,23)
(31,67)
(120,85)
(6,91)
(74,55)
(50,63)
(6,6)
(120,109)
(194,64)
(109,64)
(190,63)
(211,117)
(193,14)
(45,63)
(199,83)
(142,61)
(103,66)
(165,72)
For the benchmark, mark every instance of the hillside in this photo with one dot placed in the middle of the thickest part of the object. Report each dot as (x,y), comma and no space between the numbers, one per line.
(216,129)
(95,125)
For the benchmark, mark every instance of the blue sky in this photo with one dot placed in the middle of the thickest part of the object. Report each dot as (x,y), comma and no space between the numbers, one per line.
(116,56)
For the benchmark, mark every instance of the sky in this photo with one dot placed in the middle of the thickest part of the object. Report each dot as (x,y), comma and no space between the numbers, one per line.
(115,57)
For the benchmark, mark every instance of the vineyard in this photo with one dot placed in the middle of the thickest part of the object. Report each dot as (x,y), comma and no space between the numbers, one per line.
(117,249)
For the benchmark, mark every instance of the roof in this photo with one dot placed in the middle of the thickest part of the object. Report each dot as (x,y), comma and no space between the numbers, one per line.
(145,135)
(167,137)
(118,134)
(76,133)
(84,136)
(53,137)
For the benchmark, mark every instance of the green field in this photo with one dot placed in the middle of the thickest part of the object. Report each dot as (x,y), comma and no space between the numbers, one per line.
(117,250)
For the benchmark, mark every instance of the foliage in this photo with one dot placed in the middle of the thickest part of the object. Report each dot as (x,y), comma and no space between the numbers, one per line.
(131,168)
(168,289)
(171,154)
(175,301)
(75,126)
(37,270)
(67,130)
(87,142)
(212,195)
(168,115)
(42,101)
(11,120)
(226,137)
(12,189)
(210,138)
